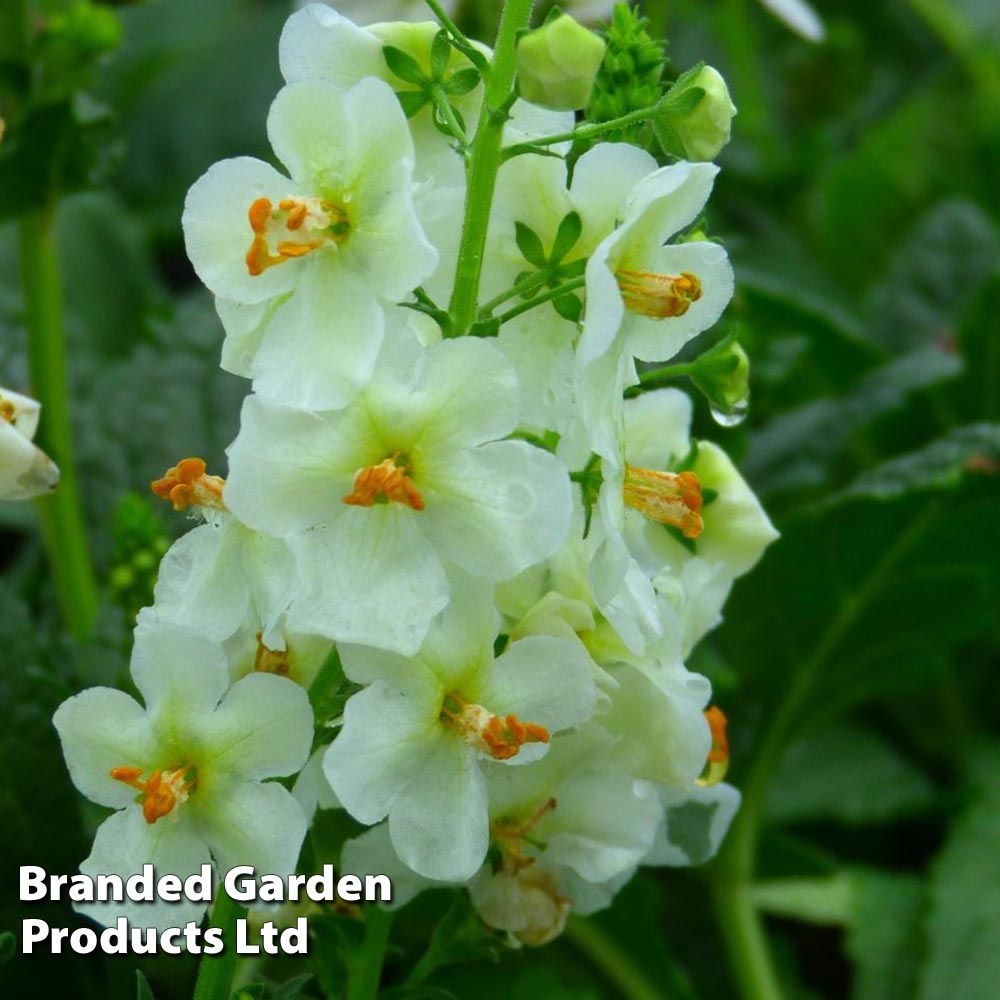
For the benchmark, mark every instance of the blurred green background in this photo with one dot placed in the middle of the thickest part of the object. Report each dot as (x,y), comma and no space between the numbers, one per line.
(857,665)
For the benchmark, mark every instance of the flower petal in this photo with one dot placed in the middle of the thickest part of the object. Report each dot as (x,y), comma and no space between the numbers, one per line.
(440,825)
(178,672)
(318,348)
(124,843)
(318,42)
(661,339)
(695,824)
(369,577)
(290,468)
(498,509)
(100,729)
(217,231)
(254,824)
(543,680)
(263,728)
(656,428)
(386,738)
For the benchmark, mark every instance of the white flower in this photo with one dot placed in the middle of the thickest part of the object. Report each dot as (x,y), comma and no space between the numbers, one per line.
(186,773)
(306,260)
(222,578)
(733,531)
(407,480)
(416,741)
(646,300)
(25,470)
(567,833)
(532,191)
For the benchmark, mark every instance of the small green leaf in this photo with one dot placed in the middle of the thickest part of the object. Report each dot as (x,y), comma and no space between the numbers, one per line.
(567,235)
(412,101)
(569,307)
(440,55)
(462,82)
(404,66)
(530,245)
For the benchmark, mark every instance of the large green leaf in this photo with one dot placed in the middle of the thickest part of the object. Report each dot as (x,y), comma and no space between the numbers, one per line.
(849,774)
(963,930)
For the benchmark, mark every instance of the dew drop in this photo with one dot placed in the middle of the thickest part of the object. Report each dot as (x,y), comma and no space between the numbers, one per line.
(732,417)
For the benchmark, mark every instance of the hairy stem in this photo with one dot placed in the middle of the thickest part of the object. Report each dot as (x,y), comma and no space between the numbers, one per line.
(583,132)
(487,154)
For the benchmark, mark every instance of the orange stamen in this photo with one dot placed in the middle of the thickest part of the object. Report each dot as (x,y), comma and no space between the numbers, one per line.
(162,792)
(658,296)
(186,484)
(717,762)
(509,834)
(326,222)
(382,483)
(667,497)
(501,737)
(7,411)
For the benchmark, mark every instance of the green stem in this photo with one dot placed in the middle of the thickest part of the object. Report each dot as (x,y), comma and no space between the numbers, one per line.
(733,872)
(366,970)
(616,964)
(60,514)
(215,974)
(548,296)
(461,41)
(583,132)
(527,285)
(659,377)
(443,106)
(487,148)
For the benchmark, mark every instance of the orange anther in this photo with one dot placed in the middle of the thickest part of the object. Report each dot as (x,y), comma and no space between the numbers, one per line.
(499,736)
(187,484)
(7,411)
(382,483)
(717,762)
(319,222)
(161,793)
(128,776)
(271,661)
(658,296)
(506,736)
(667,497)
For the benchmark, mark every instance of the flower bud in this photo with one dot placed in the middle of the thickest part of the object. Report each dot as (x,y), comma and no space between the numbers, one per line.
(558,63)
(723,375)
(695,116)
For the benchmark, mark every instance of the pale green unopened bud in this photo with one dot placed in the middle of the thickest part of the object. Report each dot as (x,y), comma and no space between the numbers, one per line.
(558,63)
(723,375)
(695,116)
